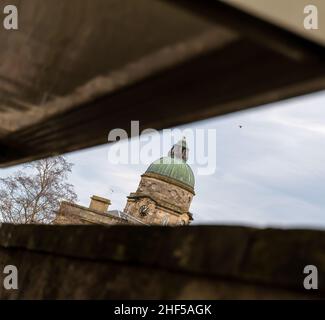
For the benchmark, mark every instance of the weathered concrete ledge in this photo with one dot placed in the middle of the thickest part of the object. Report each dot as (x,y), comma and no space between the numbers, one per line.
(214,262)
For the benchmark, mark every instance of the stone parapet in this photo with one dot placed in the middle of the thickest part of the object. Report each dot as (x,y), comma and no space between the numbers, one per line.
(213,262)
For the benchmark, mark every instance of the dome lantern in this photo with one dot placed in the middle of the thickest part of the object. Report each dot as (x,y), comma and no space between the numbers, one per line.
(179,150)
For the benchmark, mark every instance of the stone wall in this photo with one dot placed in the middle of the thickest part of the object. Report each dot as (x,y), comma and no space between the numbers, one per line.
(166,191)
(71,213)
(168,203)
(212,262)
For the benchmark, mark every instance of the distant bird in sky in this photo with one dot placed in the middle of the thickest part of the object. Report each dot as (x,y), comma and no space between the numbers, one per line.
(240,127)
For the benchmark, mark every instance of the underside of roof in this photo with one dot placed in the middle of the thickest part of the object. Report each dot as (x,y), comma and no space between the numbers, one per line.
(75,70)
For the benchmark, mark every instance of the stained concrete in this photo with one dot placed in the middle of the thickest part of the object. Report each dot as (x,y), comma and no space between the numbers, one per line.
(213,262)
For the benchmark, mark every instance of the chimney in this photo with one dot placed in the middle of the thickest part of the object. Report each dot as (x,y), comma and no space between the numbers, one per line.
(99,204)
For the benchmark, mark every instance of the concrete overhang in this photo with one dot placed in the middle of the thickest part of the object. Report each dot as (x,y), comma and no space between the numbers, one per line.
(75,70)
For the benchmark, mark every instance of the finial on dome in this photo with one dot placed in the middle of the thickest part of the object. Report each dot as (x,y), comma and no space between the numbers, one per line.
(179,150)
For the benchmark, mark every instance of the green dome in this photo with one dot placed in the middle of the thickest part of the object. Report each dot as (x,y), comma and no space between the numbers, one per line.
(174,168)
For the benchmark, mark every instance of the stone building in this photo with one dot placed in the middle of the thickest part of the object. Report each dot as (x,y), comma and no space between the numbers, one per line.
(163,197)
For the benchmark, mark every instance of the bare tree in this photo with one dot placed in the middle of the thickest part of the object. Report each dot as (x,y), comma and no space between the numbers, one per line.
(33,195)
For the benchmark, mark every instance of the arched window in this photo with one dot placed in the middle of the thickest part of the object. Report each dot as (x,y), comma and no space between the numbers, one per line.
(181,222)
(165,221)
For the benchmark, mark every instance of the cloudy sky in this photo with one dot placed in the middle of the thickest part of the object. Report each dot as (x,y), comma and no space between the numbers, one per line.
(270,172)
